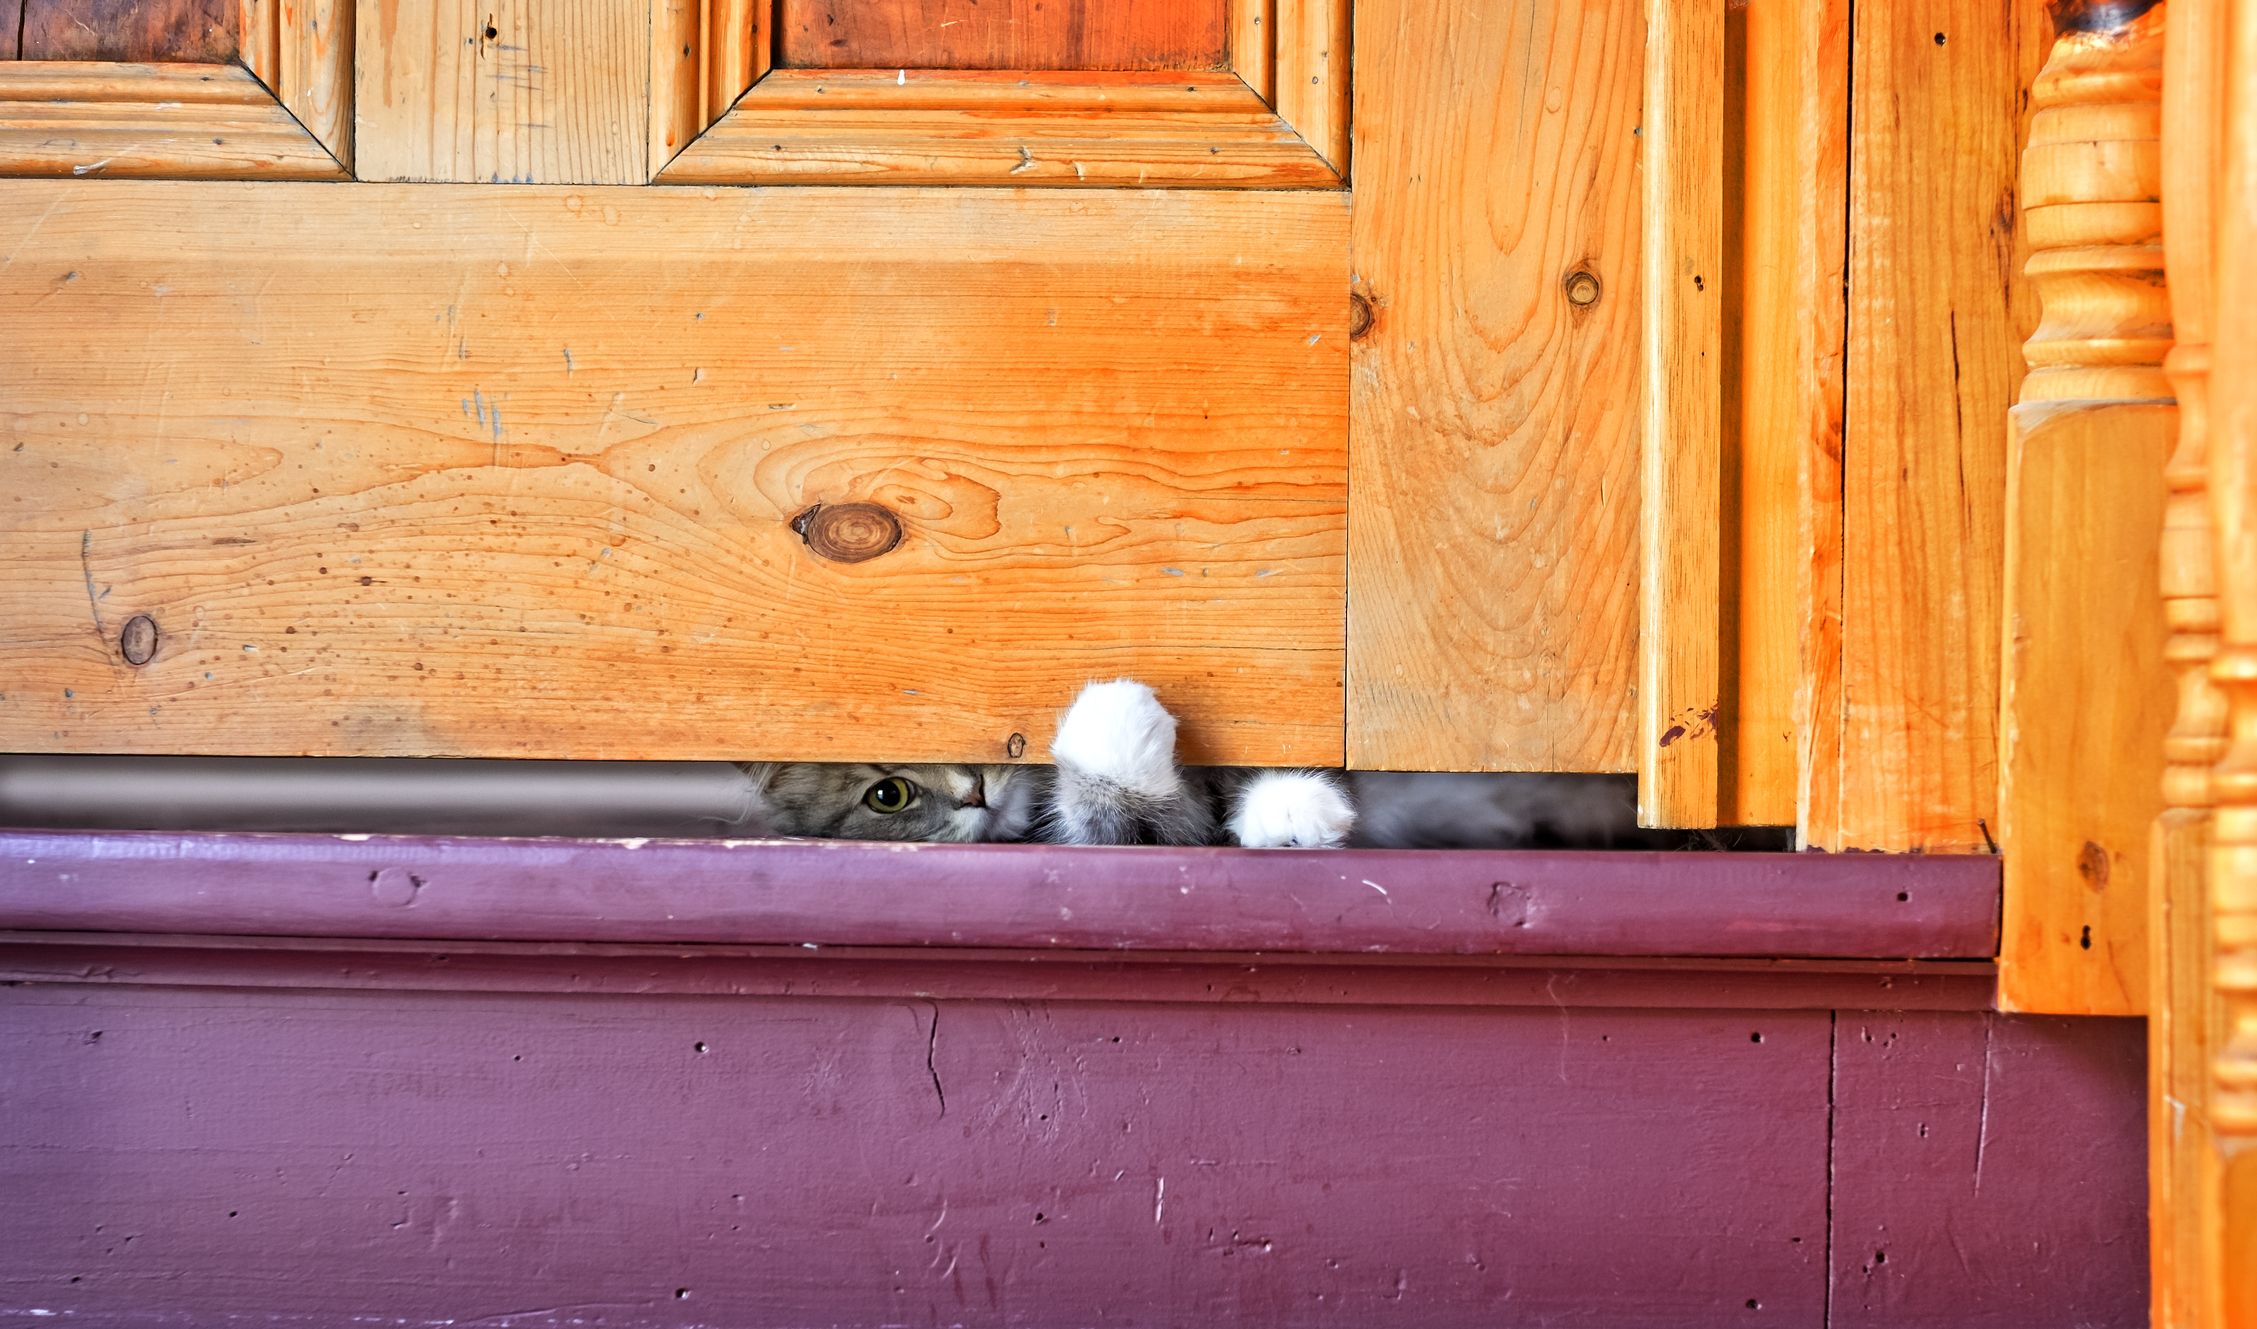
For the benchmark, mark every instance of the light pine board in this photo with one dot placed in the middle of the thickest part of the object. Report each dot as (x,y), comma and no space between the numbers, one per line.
(2086,704)
(1494,528)
(559,94)
(1938,313)
(428,470)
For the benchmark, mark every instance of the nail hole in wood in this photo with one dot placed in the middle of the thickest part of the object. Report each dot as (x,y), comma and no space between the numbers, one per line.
(138,643)
(1359,317)
(1582,288)
(848,532)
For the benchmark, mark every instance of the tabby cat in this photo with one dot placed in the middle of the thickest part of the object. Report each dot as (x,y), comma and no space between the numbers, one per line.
(1116,782)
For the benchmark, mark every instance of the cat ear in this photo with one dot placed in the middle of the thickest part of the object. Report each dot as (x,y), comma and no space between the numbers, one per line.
(760,773)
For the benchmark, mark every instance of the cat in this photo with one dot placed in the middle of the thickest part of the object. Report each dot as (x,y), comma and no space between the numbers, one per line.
(1116,781)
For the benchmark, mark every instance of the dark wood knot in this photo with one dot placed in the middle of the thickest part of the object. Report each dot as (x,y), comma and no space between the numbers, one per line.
(138,643)
(848,532)
(1582,287)
(1359,317)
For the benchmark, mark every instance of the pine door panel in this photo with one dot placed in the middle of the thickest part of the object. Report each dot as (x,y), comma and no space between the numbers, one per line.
(461,470)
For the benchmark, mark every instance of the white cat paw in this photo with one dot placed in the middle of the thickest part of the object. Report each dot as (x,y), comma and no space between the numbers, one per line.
(1292,810)
(1120,732)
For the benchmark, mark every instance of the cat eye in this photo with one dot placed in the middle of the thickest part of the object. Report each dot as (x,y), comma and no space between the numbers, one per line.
(891,794)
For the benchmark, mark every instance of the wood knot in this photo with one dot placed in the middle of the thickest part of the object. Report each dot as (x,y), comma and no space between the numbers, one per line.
(1582,286)
(138,643)
(848,532)
(1359,317)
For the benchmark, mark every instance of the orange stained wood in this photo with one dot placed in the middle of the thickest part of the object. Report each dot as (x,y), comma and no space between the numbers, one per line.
(1003,34)
(143,31)
(2086,704)
(1783,389)
(107,121)
(516,471)
(1680,696)
(2186,1022)
(1938,312)
(1494,580)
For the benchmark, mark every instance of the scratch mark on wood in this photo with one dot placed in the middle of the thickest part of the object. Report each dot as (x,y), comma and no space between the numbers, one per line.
(86,565)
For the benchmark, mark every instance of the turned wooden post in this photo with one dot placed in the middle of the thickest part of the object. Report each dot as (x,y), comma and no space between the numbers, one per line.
(2085,700)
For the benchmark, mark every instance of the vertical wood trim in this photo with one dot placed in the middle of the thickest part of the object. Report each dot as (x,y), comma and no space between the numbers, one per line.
(1312,60)
(1493,447)
(314,55)
(1253,50)
(260,39)
(736,39)
(2084,702)
(1789,377)
(676,116)
(2182,1020)
(1938,313)
(2233,498)
(1821,270)
(1679,579)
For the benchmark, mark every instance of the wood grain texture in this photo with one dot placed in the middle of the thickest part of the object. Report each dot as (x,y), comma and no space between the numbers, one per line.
(2085,704)
(677,78)
(2232,421)
(513,474)
(1820,388)
(1787,421)
(2184,1024)
(258,24)
(1681,433)
(201,32)
(1002,34)
(1493,574)
(2185,1021)
(314,45)
(889,127)
(1964,1196)
(1938,312)
(66,118)
(523,93)
(1310,59)
(11,32)
(1253,45)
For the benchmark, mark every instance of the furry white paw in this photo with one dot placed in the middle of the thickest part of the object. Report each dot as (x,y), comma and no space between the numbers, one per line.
(1292,810)
(1120,732)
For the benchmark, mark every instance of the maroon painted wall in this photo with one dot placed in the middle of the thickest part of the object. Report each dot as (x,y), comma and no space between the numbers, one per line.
(216,1129)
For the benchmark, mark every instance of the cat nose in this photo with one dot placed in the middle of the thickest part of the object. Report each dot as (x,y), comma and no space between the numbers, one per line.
(977,797)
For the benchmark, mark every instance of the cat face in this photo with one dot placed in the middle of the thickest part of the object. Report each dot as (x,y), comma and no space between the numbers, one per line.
(864,801)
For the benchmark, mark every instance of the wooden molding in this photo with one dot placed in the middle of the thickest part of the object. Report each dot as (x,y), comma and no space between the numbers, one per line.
(1680,466)
(109,120)
(284,114)
(721,115)
(2085,705)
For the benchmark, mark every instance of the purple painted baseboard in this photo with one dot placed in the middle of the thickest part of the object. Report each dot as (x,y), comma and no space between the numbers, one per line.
(205,1156)
(536,1084)
(838,893)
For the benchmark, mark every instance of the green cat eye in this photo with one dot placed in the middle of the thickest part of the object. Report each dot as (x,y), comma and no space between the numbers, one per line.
(891,794)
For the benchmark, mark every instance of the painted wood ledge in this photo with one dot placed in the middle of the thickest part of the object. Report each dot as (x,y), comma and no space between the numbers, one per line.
(835,893)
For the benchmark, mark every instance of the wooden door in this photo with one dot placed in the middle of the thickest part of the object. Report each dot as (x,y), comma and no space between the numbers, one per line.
(547,424)
(524,454)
